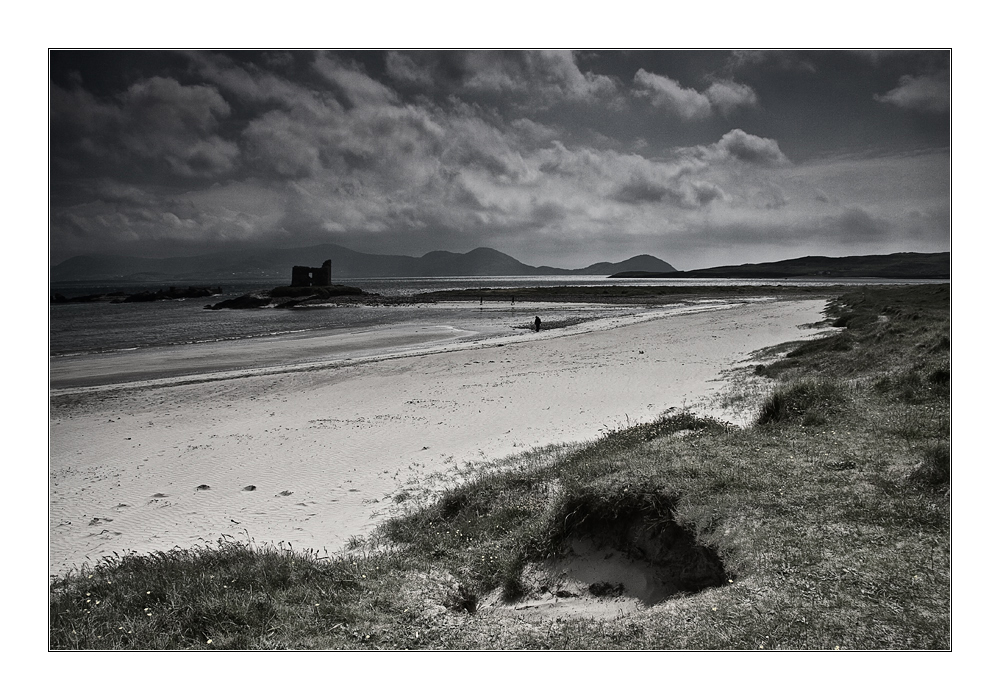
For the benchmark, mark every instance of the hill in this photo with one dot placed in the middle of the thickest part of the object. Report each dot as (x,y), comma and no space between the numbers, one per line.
(893,266)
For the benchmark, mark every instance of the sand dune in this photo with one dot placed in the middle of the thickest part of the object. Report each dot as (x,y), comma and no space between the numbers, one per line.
(169,461)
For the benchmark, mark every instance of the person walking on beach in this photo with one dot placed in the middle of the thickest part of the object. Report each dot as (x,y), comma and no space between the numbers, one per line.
(538,324)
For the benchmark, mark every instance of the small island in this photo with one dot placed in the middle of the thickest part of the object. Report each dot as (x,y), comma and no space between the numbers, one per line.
(309,284)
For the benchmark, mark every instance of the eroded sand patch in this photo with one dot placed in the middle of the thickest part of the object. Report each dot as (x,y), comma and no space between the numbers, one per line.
(615,556)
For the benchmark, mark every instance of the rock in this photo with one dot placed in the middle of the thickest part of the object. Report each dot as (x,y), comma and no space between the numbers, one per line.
(87,298)
(247,301)
(172,293)
(324,292)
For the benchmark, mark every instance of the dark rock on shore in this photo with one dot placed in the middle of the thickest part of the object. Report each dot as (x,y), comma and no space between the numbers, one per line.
(290,297)
(247,301)
(335,290)
(172,293)
(87,298)
(147,295)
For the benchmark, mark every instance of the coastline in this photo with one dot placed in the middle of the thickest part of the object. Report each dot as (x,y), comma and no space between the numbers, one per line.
(126,461)
(323,349)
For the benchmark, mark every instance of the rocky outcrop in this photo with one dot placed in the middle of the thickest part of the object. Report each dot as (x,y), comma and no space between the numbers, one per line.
(172,293)
(288,297)
(247,301)
(333,290)
(147,295)
(304,296)
(87,298)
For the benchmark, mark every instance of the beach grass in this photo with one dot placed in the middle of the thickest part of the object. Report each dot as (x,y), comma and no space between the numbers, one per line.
(823,524)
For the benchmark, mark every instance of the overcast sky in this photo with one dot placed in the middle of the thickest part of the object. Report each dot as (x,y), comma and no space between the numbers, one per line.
(557,158)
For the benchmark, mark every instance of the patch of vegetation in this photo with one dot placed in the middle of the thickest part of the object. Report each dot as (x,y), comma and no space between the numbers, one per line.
(935,467)
(808,401)
(232,596)
(829,518)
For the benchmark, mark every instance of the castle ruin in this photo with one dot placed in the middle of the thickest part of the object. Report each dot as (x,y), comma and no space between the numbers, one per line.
(303,276)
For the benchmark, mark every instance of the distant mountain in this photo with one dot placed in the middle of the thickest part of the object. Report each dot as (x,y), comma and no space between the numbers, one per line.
(893,266)
(276,263)
(639,262)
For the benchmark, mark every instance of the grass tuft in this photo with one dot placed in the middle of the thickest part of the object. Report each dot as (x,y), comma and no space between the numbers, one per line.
(808,402)
(935,467)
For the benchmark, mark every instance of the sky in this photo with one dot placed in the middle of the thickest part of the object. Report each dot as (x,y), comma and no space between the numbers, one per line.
(560,158)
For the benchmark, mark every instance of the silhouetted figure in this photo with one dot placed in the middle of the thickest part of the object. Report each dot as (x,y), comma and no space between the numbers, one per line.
(538,324)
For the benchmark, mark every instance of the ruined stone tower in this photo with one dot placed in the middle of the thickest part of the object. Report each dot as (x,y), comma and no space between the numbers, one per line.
(313,276)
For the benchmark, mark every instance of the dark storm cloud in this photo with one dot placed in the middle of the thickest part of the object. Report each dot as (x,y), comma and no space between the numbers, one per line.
(158,122)
(555,157)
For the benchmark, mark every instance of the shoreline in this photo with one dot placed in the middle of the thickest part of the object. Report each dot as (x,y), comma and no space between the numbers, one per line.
(303,351)
(324,447)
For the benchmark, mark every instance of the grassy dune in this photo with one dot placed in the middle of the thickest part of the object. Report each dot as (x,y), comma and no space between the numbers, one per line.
(824,524)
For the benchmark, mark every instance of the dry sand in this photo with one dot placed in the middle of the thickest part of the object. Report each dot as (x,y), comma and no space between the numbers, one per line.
(326,443)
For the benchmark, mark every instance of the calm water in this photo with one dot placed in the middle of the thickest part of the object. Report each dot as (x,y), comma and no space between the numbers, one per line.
(105,327)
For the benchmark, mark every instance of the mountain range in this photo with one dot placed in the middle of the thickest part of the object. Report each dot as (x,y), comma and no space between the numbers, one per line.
(276,263)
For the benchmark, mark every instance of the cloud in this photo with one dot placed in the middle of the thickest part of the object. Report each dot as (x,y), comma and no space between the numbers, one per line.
(686,103)
(157,120)
(533,132)
(146,221)
(532,79)
(253,85)
(856,225)
(401,68)
(930,93)
(740,146)
(780,60)
(162,119)
(281,145)
(553,74)
(352,84)
(678,191)
(725,96)
(454,150)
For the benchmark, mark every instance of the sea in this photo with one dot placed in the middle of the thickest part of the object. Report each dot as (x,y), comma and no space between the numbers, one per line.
(100,327)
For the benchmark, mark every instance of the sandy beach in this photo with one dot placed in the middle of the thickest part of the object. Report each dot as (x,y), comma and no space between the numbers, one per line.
(305,441)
